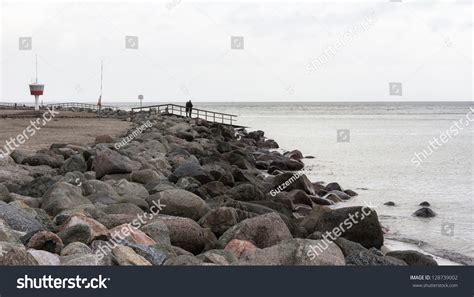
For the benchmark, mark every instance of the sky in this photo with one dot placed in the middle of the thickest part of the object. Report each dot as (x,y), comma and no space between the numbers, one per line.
(237,51)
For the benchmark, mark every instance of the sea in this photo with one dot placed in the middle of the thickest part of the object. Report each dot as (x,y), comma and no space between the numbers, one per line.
(385,151)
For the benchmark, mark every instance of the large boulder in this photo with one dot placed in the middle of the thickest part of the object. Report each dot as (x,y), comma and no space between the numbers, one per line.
(15,255)
(45,158)
(191,169)
(18,219)
(296,252)
(76,248)
(94,186)
(43,240)
(62,196)
(185,233)
(131,234)
(75,233)
(264,231)
(158,231)
(97,230)
(246,192)
(221,219)
(146,176)
(38,186)
(424,212)
(74,163)
(180,203)
(44,258)
(240,247)
(126,256)
(358,255)
(413,258)
(290,181)
(358,224)
(125,188)
(109,162)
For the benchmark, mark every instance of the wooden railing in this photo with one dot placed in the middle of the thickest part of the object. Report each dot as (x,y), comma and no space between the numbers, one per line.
(174,109)
(82,105)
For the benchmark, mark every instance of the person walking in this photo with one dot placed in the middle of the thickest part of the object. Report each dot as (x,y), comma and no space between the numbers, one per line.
(187,108)
(190,109)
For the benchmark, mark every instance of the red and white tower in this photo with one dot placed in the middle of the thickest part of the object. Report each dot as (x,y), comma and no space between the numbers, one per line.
(36,89)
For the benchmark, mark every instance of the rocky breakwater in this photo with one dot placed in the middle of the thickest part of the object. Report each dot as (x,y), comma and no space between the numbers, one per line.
(180,192)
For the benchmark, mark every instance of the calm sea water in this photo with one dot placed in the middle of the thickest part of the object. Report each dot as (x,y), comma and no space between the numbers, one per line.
(377,161)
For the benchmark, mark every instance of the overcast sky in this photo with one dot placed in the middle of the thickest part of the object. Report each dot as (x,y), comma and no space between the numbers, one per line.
(305,51)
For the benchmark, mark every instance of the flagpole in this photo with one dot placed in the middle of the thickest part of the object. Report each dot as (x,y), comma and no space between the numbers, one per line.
(101,80)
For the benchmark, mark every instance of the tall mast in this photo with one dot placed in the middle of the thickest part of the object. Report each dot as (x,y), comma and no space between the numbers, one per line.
(36,66)
(101,75)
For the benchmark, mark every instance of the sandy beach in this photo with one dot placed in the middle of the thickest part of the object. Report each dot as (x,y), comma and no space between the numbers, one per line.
(69,127)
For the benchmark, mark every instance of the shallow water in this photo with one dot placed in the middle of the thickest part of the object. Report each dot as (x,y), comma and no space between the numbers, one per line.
(383,140)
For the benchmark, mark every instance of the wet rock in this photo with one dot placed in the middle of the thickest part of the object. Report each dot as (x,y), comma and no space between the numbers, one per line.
(358,255)
(264,230)
(340,195)
(369,258)
(294,197)
(350,193)
(333,186)
(424,212)
(413,258)
(289,181)
(294,154)
(321,201)
(358,224)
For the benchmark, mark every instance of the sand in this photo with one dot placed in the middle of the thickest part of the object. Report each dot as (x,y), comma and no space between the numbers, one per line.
(67,127)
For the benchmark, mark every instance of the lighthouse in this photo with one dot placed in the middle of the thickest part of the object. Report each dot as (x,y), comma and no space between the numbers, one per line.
(36,89)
